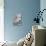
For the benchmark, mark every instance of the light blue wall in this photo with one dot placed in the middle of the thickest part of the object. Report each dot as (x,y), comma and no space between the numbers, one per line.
(43,6)
(27,8)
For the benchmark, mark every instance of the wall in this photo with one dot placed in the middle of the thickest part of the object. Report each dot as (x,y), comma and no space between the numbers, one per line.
(27,8)
(43,6)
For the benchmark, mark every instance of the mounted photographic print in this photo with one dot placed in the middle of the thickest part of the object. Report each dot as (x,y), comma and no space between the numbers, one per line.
(18,19)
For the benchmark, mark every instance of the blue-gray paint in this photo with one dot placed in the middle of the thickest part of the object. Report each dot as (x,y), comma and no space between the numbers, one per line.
(43,6)
(27,8)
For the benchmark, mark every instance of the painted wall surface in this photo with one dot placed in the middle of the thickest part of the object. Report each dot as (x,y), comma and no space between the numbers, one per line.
(27,9)
(43,6)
